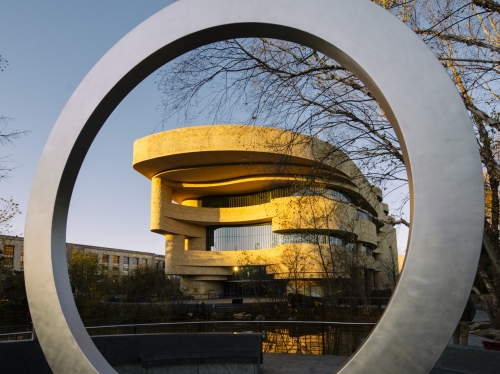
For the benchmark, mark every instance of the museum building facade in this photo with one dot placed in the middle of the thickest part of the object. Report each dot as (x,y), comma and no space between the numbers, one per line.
(231,198)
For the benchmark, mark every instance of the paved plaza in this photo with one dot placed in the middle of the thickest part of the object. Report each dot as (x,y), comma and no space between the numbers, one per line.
(278,363)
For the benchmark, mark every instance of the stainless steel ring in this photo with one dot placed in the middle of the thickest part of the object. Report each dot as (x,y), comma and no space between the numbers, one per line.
(420,100)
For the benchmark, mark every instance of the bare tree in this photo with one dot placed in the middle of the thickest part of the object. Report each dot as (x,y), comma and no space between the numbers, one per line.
(465,37)
(277,83)
(7,137)
(282,84)
(253,270)
(334,264)
(391,269)
(8,208)
(3,63)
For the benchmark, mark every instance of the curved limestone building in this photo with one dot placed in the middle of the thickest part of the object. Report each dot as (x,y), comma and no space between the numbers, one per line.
(231,197)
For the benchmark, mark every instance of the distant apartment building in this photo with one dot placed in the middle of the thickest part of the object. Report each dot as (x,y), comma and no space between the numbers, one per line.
(12,248)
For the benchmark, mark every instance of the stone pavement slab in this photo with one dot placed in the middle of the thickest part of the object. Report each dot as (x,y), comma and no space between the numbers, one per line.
(448,371)
(455,360)
(279,363)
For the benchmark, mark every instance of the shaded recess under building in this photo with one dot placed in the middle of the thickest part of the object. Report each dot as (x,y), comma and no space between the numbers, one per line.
(233,201)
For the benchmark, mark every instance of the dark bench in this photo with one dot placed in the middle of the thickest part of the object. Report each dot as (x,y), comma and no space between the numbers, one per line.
(219,352)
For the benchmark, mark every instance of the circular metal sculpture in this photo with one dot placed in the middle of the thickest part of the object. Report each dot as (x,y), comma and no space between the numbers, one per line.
(421,102)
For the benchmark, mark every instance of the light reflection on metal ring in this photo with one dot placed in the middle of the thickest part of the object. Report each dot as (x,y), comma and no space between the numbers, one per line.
(421,102)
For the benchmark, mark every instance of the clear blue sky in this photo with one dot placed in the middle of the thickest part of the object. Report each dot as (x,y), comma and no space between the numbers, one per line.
(51,46)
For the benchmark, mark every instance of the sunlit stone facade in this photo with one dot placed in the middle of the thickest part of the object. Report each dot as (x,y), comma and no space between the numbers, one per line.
(230,196)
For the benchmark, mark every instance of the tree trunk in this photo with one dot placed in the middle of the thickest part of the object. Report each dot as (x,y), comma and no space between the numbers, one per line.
(494,300)
(490,312)
(495,261)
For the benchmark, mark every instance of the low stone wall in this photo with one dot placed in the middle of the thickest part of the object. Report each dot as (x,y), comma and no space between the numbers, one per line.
(152,354)
(24,356)
(211,353)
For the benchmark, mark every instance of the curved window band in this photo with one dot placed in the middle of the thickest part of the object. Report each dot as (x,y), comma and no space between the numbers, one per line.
(363,215)
(261,236)
(263,197)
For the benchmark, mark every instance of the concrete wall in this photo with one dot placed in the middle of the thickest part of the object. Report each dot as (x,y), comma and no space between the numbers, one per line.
(152,353)
(190,163)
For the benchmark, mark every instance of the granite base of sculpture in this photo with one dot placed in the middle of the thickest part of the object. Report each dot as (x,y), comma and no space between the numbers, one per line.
(433,127)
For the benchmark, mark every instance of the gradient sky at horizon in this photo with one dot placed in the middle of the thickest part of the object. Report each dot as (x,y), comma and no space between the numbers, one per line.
(50,47)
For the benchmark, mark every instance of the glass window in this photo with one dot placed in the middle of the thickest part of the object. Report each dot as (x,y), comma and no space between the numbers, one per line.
(116,261)
(336,241)
(22,259)
(363,215)
(262,197)
(105,260)
(126,264)
(245,237)
(367,251)
(260,236)
(135,261)
(8,255)
(323,191)
(254,198)
(144,261)
(351,246)
(8,251)
(308,237)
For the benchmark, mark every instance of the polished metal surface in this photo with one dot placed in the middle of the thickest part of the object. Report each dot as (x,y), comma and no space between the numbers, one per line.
(439,145)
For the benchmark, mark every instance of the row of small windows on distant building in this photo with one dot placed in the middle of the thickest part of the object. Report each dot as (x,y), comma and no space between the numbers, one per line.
(12,255)
(126,262)
(8,256)
(8,259)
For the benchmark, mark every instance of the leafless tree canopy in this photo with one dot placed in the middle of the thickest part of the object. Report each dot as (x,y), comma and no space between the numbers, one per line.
(8,208)
(282,84)
(3,63)
(7,136)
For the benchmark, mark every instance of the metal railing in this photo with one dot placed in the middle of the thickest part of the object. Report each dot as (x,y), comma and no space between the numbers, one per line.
(24,335)
(307,337)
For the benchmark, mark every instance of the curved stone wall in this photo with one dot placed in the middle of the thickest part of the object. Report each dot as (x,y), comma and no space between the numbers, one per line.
(234,165)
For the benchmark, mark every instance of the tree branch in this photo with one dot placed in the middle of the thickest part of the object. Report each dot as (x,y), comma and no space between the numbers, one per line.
(489,5)
(459,39)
